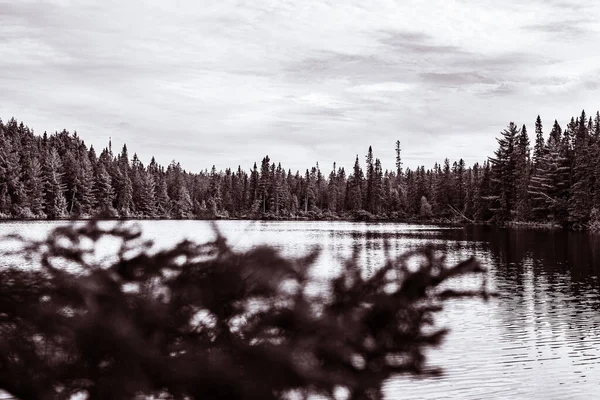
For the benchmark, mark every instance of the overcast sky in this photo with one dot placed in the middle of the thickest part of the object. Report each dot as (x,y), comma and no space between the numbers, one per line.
(225,82)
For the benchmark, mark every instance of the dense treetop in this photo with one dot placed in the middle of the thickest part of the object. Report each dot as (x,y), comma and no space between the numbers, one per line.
(554,180)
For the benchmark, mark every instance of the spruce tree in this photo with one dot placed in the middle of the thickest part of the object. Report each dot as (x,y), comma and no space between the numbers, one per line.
(12,192)
(33,181)
(147,203)
(163,201)
(264,183)
(56,204)
(369,195)
(183,203)
(103,191)
(84,190)
(549,185)
(378,189)
(504,174)
(215,199)
(538,149)
(580,201)
(124,191)
(523,171)
(355,183)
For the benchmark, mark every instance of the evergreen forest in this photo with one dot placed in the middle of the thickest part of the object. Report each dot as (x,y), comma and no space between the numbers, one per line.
(552,178)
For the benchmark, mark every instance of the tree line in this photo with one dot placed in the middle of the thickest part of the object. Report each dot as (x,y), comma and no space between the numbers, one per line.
(555,180)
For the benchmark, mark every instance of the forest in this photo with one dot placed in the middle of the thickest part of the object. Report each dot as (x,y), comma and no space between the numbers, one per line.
(551,179)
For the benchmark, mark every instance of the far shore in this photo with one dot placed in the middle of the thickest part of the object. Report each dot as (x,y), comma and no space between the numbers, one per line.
(361,217)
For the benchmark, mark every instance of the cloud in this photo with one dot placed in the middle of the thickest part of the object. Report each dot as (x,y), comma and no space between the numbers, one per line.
(455,78)
(416,43)
(226,82)
(571,29)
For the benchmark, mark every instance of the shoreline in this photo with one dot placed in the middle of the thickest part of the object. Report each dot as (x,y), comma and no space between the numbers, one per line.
(329,217)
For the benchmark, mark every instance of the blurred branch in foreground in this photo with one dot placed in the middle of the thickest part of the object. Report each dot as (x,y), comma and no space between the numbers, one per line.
(202,321)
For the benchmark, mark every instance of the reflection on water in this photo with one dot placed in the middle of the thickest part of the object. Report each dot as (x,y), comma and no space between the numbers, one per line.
(539,340)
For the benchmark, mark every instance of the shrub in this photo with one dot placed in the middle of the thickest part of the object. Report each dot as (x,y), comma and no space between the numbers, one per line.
(203,321)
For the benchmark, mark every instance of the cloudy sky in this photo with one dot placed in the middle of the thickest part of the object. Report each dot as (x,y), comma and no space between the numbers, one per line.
(225,82)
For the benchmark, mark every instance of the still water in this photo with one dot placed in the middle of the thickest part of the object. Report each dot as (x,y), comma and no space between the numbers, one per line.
(540,339)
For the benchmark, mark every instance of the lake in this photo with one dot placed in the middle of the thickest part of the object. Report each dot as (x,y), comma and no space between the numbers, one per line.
(540,339)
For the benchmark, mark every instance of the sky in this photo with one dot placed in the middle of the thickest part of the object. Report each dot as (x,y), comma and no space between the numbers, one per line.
(227,82)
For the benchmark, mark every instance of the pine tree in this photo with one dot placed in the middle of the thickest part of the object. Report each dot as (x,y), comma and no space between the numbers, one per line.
(580,201)
(342,187)
(484,196)
(147,203)
(332,190)
(277,190)
(56,204)
(398,161)
(538,149)
(85,184)
(460,184)
(183,203)
(163,201)
(555,135)
(549,185)
(443,189)
(523,176)
(103,190)
(597,126)
(504,174)
(354,192)
(124,192)
(253,196)
(378,189)
(264,183)
(33,181)
(214,191)
(370,180)
(227,191)
(12,193)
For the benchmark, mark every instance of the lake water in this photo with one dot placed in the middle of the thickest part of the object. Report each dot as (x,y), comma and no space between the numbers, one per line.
(540,339)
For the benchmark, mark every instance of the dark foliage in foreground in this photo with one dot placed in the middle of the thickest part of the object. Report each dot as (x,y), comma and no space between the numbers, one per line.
(206,322)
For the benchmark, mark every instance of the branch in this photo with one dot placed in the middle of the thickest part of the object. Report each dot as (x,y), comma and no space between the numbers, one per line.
(460,214)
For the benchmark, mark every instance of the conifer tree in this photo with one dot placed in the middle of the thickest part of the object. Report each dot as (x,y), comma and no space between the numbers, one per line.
(253,195)
(332,190)
(460,184)
(522,172)
(215,200)
(264,183)
(354,193)
(103,191)
(147,202)
(549,185)
(398,161)
(163,201)
(12,192)
(183,203)
(378,189)
(503,178)
(84,189)
(124,191)
(538,149)
(56,204)
(581,183)
(370,168)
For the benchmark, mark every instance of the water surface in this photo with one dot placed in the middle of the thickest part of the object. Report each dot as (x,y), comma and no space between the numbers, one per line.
(539,340)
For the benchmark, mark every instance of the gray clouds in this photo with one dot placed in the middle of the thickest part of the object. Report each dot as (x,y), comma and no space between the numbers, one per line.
(227,82)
